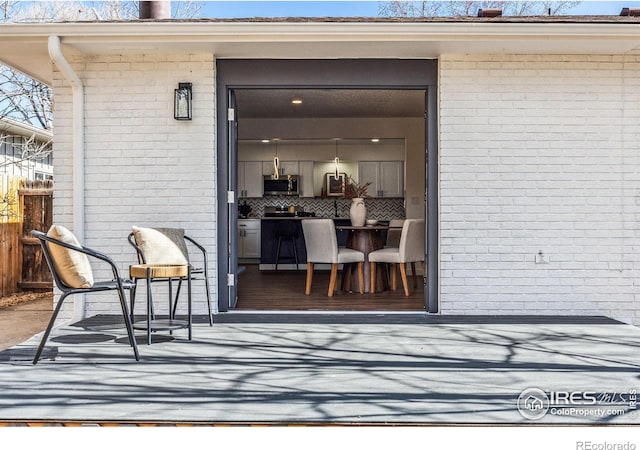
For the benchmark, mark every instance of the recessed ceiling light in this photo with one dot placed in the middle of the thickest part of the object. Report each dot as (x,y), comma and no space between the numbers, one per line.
(265,141)
(296,101)
(375,140)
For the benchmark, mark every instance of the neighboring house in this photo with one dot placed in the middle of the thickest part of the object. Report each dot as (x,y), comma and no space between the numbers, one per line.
(18,143)
(25,154)
(528,152)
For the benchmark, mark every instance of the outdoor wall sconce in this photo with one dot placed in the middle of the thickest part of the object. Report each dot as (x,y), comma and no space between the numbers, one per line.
(182,102)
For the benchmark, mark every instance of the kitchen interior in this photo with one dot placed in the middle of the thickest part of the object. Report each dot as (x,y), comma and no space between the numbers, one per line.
(291,143)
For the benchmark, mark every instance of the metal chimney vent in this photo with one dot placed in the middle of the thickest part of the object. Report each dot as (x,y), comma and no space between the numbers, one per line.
(630,12)
(155,10)
(490,12)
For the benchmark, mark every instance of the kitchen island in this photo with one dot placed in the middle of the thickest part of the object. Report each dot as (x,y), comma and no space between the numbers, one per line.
(271,227)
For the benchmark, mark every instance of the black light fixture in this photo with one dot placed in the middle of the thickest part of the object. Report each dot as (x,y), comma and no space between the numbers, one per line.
(182,102)
(336,161)
(276,163)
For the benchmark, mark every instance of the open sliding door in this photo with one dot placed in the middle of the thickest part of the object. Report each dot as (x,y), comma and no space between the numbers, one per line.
(431,208)
(340,74)
(232,198)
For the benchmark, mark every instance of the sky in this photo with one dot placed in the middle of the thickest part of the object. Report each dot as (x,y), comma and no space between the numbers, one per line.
(363,8)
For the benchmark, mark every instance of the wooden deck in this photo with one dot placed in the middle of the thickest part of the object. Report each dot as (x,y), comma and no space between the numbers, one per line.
(284,291)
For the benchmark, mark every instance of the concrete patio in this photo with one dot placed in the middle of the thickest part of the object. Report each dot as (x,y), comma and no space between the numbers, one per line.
(325,368)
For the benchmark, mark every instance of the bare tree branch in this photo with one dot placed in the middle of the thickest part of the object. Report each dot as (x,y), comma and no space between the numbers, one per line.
(25,99)
(55,11)
(29,101)
(29,150)
(434,8)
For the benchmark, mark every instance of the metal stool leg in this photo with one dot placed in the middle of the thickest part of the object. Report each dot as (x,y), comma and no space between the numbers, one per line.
(132,301)
(295,250)
(278,251)
(149,306)
(175,304)
(206,284)
(189,300)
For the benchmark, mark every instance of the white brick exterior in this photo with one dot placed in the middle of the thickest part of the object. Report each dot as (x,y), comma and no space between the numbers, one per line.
(540,153)
(537,153)
(142,166)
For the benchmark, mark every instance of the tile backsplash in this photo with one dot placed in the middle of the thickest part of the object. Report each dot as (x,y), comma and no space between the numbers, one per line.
(377,208)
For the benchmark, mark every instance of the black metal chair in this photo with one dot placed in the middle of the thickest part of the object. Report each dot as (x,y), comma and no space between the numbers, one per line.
(197,273)
(116,284)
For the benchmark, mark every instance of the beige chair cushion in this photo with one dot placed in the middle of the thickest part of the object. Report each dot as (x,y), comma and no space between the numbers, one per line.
(347,255)
(387,255)
(72,267)
(158,247)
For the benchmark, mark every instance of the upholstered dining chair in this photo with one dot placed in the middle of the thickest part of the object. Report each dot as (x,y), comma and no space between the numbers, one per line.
(72,273)
(322,247)
(170,246)
(394,233)
(410,250)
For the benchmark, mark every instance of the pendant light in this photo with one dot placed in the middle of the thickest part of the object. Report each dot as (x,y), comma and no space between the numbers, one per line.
(276,163)
(336,161)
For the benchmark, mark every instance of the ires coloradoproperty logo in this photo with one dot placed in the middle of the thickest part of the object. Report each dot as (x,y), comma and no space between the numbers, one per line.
(534,403)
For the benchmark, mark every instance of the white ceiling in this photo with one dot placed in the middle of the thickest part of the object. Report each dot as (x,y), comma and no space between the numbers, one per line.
(329,103)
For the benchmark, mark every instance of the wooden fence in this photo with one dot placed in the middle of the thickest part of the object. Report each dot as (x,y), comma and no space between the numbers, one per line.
(27,205)
(10,257)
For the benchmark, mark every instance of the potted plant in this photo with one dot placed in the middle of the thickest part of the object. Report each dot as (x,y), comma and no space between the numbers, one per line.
(357,192)
(353,189)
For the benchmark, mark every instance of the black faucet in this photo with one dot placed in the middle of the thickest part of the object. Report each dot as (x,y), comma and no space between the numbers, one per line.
(335,208)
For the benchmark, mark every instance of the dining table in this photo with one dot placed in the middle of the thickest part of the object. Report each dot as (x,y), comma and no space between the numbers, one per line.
(366,239)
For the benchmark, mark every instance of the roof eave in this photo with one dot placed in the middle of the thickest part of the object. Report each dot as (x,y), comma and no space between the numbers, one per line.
(28,41)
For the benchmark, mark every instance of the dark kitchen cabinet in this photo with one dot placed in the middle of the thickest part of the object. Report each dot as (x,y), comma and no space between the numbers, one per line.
(342,235)
(269,241)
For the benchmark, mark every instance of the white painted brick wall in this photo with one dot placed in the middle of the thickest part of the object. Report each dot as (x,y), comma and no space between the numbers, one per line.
(540,153)
(142,166)
(537,153)
(62,169)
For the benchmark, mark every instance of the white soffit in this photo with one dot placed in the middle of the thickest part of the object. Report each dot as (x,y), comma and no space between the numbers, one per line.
(24,46)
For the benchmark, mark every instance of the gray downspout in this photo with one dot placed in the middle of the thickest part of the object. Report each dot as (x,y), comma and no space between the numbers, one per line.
(77,90)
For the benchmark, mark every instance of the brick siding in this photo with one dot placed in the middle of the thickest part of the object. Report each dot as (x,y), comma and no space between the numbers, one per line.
(539,153)
(142,166)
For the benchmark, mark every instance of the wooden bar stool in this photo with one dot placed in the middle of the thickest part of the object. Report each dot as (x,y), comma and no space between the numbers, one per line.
(149,272)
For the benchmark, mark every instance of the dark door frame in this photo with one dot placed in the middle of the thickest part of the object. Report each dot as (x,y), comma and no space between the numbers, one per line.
(234,74)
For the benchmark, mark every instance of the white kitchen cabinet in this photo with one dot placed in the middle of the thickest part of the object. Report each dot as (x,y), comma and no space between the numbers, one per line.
(386,177)
(286,168)
(250,179)
(306,178)
(249,238)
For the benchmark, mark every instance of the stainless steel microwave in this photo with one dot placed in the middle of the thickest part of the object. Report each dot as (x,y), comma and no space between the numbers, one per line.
(284,185)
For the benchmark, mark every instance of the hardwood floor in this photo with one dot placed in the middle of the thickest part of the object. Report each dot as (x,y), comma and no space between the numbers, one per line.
(284,291)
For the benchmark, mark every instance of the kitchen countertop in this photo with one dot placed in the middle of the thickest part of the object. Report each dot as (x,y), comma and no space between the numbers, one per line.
(301,218)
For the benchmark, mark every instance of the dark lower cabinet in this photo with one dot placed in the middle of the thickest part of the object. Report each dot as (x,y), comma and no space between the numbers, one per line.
(342,235)
(289,231)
